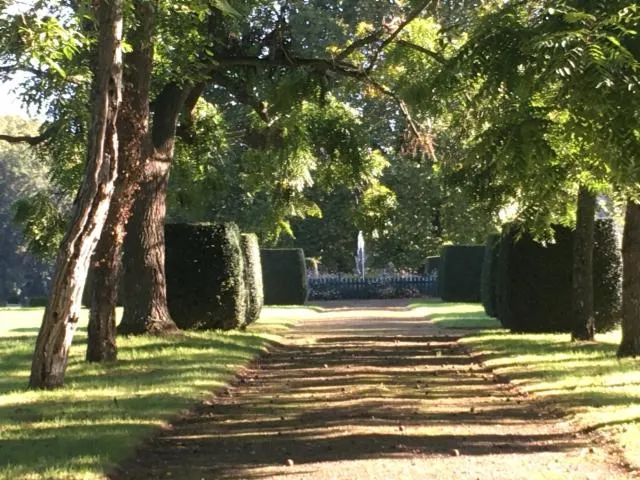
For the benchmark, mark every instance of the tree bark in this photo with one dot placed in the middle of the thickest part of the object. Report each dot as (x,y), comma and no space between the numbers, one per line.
(630,344)
(145,303)
(584,326)
(135,145)
(92,203)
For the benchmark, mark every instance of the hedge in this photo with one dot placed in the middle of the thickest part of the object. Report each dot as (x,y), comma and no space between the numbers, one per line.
(432,263)
(488,276)
(252,277)
(460,270)
(38,301)
(535,281)
(284,276)
(205,276)
(607,276)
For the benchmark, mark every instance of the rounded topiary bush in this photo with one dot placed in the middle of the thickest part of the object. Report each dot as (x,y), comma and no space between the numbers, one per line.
(252,276)
(460,270)
(534,288)
(205,276)
(488,276)
(284,276)
(607,276)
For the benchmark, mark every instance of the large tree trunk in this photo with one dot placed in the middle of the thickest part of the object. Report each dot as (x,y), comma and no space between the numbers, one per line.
(630,345)
(146,309)
(62,313)
(584,326)
(135,145)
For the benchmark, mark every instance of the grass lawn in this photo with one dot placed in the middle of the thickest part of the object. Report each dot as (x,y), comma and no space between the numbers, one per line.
(585,380)
(105,410)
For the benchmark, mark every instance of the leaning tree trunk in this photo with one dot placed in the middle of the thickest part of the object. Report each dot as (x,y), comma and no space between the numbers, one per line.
(135,144)
(92,203)
(630,344)
(145,301)
(584,325)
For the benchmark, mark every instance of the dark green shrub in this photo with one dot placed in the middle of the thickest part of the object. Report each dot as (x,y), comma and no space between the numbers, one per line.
(432,263)
(460,270)
(38,301)
(489,275)
(535,280)
(607,276)
(284,276)
(205,276)
(252,276)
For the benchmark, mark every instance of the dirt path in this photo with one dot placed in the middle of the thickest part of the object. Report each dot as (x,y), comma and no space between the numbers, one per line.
(370,393)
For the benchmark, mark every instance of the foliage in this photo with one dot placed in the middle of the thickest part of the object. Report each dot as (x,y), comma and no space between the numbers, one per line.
(205,276)
(489,275)
(460,270)
(284,276)
(252,276)
(22,176)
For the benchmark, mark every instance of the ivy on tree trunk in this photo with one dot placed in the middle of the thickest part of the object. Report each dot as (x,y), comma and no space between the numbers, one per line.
(145,302)
(135,144)
(91,206)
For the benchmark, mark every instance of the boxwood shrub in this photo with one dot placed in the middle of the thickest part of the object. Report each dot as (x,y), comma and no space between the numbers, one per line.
(488,276)
(460,270)
(205,276)
(535,280)
(284,276)
(252,276)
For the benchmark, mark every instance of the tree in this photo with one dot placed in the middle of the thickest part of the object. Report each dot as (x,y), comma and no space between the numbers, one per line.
(91,206)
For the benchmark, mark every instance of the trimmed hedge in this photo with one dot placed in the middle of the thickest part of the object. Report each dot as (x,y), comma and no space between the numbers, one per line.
(460,270)
(38,301)
(284,276)
(535,280)
(607,276)
(488,276)
(205,276)
(252,276)
(432,263)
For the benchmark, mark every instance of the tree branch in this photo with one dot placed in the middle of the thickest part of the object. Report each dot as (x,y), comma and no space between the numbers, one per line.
(33,140)
(434,55)
(387,41)
(353,46)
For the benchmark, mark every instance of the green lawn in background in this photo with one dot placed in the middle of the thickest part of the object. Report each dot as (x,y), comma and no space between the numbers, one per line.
(584,379)
(105,410)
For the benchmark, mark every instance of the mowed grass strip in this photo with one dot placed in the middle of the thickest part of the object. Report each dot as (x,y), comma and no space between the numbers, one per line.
(583,379)
(105,410)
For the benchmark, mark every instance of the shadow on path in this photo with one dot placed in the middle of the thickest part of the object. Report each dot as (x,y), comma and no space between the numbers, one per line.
(357,391)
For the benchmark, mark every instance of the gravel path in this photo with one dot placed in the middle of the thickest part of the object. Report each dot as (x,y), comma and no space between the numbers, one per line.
(373,392)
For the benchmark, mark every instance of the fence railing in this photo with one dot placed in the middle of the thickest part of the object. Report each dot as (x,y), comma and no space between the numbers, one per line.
(335,287)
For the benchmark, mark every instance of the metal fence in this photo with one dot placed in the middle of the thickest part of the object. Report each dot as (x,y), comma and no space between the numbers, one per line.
(335,287)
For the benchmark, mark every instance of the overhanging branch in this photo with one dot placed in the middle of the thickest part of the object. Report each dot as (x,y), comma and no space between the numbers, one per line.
(35,139)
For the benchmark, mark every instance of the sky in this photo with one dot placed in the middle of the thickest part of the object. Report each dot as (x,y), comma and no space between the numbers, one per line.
(9,101)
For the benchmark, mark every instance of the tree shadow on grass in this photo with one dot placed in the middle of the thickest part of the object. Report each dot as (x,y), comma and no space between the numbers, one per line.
(348,398)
